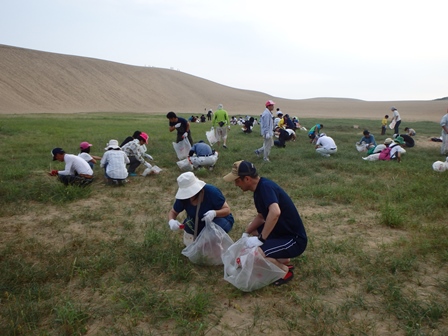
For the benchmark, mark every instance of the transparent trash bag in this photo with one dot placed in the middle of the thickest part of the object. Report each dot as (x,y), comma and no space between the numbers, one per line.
(209,245)
(247,269)
(185,165)
(182,148)
(211,137)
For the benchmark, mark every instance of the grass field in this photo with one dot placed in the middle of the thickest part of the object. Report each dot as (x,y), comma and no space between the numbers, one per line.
(102,260)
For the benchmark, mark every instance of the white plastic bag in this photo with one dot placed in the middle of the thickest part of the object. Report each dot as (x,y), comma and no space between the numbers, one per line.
(209,245)
(247,269)
(361,147)
(440,166)
(392,124)
(182,148)
(185,165)
(211,137)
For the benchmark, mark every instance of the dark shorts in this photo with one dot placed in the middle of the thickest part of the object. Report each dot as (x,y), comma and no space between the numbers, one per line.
(284,247)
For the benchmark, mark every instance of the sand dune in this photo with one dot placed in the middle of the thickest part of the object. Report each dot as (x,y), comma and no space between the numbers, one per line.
(40,82)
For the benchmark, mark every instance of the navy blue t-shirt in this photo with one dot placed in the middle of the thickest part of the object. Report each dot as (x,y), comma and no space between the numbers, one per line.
(183,125)
(289,223)
(213,200)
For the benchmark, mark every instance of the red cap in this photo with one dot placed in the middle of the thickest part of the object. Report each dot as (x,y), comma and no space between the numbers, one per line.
(269,103)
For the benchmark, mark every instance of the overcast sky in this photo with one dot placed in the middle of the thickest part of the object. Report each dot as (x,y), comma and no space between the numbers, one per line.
(370,50)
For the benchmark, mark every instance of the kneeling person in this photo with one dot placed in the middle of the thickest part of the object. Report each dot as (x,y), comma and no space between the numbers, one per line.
(277,229)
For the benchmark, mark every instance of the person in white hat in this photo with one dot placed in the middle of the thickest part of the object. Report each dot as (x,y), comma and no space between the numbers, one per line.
(267,131)
(212,204)
(114,162)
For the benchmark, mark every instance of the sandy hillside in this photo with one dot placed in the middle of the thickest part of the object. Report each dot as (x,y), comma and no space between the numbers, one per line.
(40,82)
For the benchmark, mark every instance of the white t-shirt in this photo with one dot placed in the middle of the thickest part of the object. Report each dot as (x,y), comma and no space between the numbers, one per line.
(85,156)
(75,163)
(326,142)
(396,114)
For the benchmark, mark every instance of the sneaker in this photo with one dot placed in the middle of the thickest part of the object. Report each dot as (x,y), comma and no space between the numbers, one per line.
(266,159)
(224,146)
(257,152)
(132,174)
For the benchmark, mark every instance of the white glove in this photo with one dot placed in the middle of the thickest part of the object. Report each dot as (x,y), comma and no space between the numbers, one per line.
(267,136)
(147,165)
(228,127)
(253,242)
(209,216)
(185,135)
(177,125)
(149,157)
(245,235)
(175,225)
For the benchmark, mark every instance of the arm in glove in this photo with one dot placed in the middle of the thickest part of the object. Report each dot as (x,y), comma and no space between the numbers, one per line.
(149,157)
(209,216)
(177,125)
(147,165)
(54,172)
(184,135)
(253,242)
(175,225)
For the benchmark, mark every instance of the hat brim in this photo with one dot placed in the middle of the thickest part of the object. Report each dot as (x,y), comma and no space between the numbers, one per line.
(112,147)
(230,177)
(185,193)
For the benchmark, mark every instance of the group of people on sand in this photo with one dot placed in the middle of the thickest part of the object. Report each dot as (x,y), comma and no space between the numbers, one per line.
(119,161)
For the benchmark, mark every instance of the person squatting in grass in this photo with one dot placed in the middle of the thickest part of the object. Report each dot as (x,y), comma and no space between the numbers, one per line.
(114,162)
(221,123)
(202,155)
(84,148)
(76,172)
(135,152)
(193,193)
(325,145)
(314,132)
(277,229)
(181,125)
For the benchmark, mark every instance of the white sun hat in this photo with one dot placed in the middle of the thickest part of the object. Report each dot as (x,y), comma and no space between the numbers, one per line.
(112,144)
(189,185)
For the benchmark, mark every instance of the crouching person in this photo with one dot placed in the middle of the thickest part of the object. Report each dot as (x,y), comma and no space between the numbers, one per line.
(77,171)
(200,201)
(202,155)
(114,162)
(277,228)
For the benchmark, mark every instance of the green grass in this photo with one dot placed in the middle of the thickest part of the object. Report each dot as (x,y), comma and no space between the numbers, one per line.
(101,260)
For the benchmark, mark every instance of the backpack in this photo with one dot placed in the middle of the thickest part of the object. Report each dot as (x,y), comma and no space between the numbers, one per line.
(385,153)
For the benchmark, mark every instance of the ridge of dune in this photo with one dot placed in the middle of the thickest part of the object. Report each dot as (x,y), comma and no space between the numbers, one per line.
(33,81)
